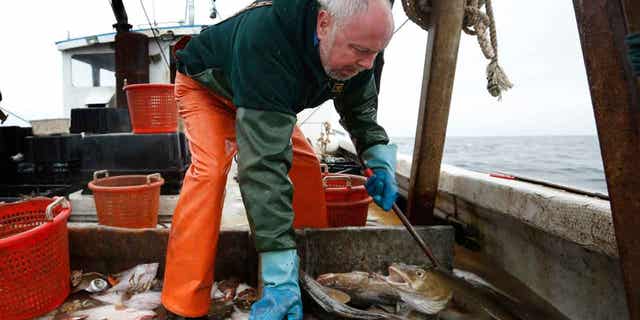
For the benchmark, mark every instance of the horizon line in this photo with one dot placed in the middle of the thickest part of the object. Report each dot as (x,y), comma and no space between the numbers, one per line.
(508,136)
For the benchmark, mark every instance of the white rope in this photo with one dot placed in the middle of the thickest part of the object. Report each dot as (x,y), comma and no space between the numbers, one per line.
(476,23)
(400,27)
(15,115)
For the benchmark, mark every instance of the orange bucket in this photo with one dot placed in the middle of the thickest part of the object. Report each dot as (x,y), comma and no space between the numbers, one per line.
(347,199)
(152,107)
(127,201)
(34,257)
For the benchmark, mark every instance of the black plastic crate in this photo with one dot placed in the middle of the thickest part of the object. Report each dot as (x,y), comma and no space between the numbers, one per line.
(100,120)
(134,152)
(9,171)
(53,148)
(12,140)
(13,193)
(57,172)
(26,173)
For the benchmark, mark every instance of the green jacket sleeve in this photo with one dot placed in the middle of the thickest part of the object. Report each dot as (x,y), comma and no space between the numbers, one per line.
(264,76)
(264,158)
(358,109)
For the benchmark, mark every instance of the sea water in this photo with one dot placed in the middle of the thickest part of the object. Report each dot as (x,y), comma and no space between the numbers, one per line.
(573,161)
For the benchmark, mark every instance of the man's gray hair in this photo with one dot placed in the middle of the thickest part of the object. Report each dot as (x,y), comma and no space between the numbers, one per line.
(341,9)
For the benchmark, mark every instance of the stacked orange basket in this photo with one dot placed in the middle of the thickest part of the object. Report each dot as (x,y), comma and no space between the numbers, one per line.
(347,199)
(152,107)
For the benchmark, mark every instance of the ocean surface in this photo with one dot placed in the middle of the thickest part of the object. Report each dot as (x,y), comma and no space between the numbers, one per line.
(573,161)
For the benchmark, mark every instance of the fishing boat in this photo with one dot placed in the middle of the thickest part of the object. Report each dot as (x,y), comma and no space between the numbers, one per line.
(567,251)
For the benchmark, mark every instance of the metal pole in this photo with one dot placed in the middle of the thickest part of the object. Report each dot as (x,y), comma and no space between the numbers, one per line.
(437,86)
(122,21)
(190,16)
(132,54)
(423,245)
(614,95)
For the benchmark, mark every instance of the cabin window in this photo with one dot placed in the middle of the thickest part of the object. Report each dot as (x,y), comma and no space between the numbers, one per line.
(93,70)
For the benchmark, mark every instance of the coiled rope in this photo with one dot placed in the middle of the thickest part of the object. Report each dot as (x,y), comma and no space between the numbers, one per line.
(476,23)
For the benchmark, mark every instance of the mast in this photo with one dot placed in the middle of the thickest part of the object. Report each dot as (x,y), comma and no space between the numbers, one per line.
(132,54)
(190,12)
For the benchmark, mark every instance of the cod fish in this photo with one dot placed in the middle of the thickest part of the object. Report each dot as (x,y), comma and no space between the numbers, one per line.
(417,287)
(428,291)
(319,294)
(364,288)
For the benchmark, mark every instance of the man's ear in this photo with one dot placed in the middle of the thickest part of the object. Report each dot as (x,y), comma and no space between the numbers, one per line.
(324,24)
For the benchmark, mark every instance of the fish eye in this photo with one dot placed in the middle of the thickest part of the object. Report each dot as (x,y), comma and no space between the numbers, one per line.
(420,274)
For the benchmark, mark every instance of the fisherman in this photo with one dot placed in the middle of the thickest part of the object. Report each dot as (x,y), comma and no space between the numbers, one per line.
(239,87)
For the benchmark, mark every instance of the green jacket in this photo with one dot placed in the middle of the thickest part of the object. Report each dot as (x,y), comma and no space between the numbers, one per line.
(266,61)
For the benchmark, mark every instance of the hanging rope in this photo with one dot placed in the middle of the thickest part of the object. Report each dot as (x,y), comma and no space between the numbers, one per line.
(476,23)
(633,42)
(155,37)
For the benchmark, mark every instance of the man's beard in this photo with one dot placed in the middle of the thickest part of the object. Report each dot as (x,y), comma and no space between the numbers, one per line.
(324,50)
(336,76)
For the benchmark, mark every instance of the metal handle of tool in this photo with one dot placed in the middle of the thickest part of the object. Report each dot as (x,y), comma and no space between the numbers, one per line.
(425,247)
(325,169)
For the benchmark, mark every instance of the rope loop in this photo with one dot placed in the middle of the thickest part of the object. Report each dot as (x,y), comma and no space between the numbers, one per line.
(476,23)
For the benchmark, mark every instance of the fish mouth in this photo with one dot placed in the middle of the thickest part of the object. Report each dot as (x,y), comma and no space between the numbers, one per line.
(397,278)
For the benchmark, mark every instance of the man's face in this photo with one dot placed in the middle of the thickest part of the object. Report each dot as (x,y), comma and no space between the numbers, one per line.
(351,47)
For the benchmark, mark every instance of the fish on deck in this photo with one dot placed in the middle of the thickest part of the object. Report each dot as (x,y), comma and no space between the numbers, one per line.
(430,291)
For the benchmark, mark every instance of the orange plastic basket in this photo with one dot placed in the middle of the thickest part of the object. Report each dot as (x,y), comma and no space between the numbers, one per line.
(347,199)
(152,107)
(127,201)
(34,257)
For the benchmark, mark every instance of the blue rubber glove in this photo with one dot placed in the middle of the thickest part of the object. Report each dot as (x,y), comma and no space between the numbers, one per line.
(382,186)
(281,293)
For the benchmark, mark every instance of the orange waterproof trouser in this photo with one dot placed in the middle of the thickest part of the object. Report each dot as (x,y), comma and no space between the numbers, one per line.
(210,128)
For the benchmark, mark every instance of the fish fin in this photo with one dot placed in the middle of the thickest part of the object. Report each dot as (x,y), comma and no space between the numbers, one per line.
(328,304)
(498,294)
(455,314)
(424,304)
(385,308)
(480,283)
(492,314)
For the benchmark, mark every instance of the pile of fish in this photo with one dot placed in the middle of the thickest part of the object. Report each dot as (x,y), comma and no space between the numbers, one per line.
(412,292)
(135,294)
(231,299)
(130,295)
(407,292)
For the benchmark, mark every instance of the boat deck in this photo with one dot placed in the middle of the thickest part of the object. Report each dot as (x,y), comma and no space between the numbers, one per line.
(234,224)
(234,215)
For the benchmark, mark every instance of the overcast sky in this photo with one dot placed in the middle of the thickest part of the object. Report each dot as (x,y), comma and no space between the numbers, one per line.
(539,50)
